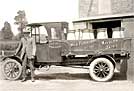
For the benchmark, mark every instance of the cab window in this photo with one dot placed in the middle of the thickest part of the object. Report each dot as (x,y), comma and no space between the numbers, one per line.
(54,34)
(40,34)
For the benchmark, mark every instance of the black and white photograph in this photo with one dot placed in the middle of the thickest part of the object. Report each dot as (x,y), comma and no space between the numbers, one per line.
(66,45)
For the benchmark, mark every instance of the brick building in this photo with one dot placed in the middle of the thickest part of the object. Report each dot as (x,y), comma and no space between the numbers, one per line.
(109,14)
(89,8)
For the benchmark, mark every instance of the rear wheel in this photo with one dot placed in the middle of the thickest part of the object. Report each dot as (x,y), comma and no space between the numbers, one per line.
(11,69)
(101,69)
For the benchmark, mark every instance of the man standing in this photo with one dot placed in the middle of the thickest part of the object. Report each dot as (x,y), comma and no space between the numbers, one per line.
(27,46)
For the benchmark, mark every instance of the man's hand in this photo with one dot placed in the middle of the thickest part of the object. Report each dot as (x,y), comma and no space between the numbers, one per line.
(32,57)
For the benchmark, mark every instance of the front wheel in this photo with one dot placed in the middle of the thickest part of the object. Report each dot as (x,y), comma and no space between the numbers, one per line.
(101,69)
(11,69)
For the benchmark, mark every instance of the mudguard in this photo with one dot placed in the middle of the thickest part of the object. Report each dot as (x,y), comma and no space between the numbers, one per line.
(105,56)
(17,58)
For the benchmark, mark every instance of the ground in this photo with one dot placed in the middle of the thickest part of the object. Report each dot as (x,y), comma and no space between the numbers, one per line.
(66,79)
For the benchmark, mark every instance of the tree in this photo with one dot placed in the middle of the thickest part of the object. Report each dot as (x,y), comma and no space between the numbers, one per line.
(6,32)
(17,37)
(21,20)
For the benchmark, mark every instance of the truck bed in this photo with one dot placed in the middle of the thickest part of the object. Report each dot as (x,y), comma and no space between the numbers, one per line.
(93,46)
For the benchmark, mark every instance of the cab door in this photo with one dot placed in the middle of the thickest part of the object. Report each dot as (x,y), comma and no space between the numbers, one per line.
(48,50)
(42,46)
(54,51)
(42,53)
(54,46)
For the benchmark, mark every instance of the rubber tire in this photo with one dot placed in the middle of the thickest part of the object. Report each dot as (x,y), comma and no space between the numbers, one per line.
(8,60)
(91,69)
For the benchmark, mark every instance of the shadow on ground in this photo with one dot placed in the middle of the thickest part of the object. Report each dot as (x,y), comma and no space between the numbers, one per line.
(74,76)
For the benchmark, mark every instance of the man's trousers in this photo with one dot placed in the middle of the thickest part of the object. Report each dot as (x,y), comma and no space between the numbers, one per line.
(26,62)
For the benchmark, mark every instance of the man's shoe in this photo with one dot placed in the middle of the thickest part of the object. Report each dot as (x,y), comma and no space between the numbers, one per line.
(23,80)
(32,79)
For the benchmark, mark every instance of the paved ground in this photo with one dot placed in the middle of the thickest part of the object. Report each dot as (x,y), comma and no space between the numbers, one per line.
(66,79)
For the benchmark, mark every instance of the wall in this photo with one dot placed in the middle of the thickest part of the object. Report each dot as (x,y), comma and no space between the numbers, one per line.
(122,6)
(81,25)
(89,8)
(129,26)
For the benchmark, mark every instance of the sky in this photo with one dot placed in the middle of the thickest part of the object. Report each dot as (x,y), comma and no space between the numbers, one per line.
(38,11)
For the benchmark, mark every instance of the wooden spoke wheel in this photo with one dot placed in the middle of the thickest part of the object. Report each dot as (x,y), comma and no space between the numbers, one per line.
(11,69)
(101,69)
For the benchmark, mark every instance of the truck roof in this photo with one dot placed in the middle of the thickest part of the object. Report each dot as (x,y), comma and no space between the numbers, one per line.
(42,23)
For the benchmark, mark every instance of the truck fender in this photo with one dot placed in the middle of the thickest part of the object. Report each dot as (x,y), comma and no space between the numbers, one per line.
(13,57)
(104,56)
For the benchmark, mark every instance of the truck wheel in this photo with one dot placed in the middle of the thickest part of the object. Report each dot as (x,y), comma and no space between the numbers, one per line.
(11,69)
(101,69)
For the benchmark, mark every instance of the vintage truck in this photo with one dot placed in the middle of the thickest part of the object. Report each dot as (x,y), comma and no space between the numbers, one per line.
(55,47)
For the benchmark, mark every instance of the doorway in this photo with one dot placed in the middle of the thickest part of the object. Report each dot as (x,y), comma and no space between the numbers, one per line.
(108,25)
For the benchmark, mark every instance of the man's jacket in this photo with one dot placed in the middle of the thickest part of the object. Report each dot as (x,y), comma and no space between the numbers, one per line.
(27,46)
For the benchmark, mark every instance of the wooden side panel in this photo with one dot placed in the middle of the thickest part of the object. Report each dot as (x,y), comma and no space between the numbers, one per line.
(93,46)
(55,54)
(42,53)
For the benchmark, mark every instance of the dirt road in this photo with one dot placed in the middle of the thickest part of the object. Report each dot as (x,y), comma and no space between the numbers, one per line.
(66,79)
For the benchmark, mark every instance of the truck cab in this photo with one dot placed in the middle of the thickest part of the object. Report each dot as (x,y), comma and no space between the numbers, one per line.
(48,37)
